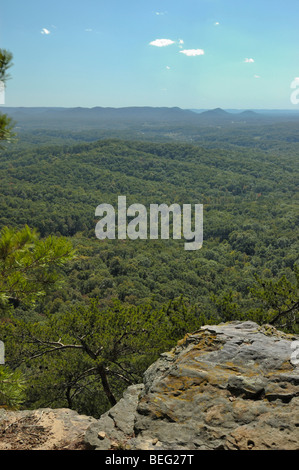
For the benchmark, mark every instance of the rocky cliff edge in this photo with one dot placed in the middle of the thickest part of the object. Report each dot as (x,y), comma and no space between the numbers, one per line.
(233,386)
(229,386)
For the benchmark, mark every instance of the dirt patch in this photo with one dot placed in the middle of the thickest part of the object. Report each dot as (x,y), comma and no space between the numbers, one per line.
(43,430)
(23,433)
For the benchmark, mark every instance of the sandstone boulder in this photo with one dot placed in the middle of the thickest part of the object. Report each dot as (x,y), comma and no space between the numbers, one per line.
(228,386)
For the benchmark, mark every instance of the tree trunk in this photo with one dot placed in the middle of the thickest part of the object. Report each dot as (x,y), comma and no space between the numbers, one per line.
(68,397)
(106,386)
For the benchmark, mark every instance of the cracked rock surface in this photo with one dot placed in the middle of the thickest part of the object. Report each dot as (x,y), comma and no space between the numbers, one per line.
(231,386)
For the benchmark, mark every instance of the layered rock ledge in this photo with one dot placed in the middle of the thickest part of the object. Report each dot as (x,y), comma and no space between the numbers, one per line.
(228,386)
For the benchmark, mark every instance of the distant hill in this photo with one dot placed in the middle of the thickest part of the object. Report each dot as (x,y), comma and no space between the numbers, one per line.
(215,116)
(252,115)
(215,112)
(249,113)
(138,118)
(219,116)
(99,115)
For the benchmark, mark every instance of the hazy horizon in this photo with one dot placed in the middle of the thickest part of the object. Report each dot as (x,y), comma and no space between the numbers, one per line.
(229,110)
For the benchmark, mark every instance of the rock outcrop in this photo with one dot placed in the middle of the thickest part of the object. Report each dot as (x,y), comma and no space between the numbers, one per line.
(229,386)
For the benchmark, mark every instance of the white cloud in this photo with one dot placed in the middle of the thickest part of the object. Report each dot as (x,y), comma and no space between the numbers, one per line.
(181,41)
(192,52)
(249,61)
(161,42)
(45,31)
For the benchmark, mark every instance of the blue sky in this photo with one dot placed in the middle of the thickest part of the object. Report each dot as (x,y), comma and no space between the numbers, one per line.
(192,53)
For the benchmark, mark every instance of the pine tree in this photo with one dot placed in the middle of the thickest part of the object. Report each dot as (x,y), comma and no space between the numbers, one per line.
(12,388)
(6,123)
(29,265)
(28,268)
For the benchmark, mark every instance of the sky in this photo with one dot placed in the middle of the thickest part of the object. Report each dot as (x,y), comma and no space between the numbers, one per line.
(203,54)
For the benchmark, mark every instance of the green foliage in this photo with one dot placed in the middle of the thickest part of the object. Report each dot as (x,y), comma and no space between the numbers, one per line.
(6,128)
(93,351)
(250,216)
(179,318)
(280,301)
(12,388)
(6,123)
(5,63)
(228,307)
(28,265)
(122,302)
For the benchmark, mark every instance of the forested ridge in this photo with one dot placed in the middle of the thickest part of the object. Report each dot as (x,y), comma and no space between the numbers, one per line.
(245,269)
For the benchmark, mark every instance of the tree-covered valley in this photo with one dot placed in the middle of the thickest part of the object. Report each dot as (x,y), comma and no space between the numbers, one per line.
(114,305)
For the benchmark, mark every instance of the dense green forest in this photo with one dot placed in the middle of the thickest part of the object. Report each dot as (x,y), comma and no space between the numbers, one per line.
(114,305)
